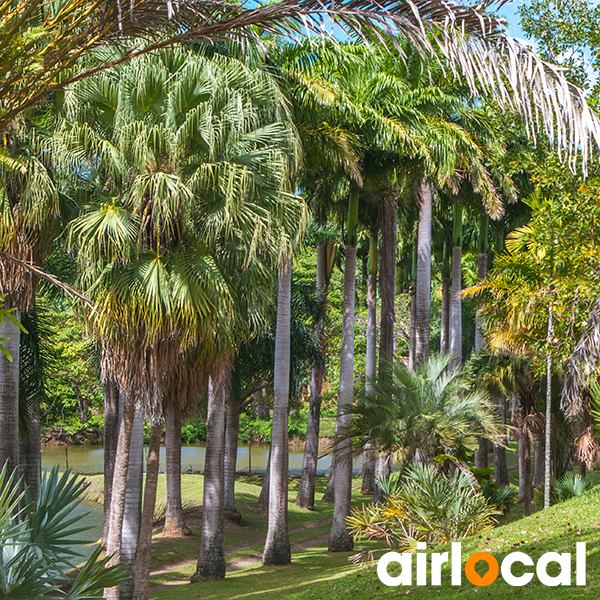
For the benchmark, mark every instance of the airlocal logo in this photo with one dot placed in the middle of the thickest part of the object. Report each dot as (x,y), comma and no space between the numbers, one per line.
(438,559)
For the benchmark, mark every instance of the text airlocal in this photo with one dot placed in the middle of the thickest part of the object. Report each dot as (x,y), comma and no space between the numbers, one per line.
(437,559)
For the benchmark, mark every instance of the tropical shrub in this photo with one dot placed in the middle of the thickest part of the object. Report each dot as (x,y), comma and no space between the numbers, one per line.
(37,547)
(570,486)
(501,498)
(426,506)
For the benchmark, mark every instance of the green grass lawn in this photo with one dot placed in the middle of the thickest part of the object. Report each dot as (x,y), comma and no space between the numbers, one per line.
(316,574)
(554,530)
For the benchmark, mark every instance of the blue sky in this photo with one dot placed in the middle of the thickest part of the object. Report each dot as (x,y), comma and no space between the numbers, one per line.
(509,11)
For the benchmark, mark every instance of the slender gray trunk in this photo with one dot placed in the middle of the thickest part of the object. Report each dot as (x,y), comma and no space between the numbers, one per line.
(368,470)
(111,438)
(119,491)
(306,487)
(525,472)
(211,563)
(423,285)
(142,563)
(232,434)
(9,396)
(133,502)
(383,468)
(481,274)
(538,459)
(445,331)
(328,495)
(547,465)
(500,467)
(30,452)
(277,545)
(481,454)
(340,539)
(387,284)
(174,519)
(456,308)
(261,408)
(263,498)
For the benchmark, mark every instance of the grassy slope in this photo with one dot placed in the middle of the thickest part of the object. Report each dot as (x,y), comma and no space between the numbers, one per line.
(554,530)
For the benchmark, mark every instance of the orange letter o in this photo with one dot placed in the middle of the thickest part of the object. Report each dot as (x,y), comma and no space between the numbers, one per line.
(473,576)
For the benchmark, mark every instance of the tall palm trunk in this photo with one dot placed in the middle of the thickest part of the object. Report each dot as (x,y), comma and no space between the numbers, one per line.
(263,498)
(261,408)
(423,288)
(481,453)
(211,563)
(482,262)
(455,300)
(445,325)
(277,545)
(306,488)
(340,539)
(368,465)
(328,494)
(412,341)
(387,283)
(174,519)
(383,468)
(119,490)
(30,452)
(538,459)
(500,467)
(133,502)
(142,563)
(548,428)
(371,357)
(232,434)
(111,437)
(9,396)
(525,471)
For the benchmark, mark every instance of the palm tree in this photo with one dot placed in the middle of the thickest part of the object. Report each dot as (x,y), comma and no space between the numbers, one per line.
(424,413)
(277,545)
(181,250)
(174,520)
(43,541)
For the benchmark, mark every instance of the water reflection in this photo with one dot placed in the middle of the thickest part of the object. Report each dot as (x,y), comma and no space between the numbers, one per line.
(89,459)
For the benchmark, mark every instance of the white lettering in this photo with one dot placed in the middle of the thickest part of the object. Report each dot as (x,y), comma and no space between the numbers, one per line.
(508,562)
(405,561)
(563,559)
(437,560)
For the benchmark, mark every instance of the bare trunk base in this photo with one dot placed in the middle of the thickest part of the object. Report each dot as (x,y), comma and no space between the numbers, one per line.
(142,563)
(368,471)
(328,495)
(174,520)
(525,473)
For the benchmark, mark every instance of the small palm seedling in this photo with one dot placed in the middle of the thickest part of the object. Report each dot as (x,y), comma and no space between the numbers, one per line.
(570,485)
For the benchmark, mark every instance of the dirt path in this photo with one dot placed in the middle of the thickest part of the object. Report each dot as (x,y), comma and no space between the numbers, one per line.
(245,561)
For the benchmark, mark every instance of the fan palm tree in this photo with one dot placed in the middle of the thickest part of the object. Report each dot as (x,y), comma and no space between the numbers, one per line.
(424,413)
(172,263)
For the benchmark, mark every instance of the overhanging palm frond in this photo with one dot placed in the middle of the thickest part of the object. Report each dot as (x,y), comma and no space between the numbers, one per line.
(472,41)
(582,364)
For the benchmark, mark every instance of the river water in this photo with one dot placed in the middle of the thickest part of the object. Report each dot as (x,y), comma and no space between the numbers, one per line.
(89,459)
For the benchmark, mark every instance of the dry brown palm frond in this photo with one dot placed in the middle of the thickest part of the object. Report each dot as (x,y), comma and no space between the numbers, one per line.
(584,362)
(587,447)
